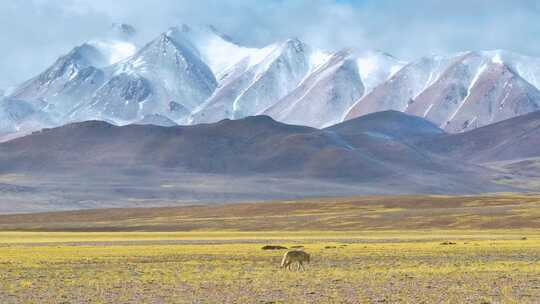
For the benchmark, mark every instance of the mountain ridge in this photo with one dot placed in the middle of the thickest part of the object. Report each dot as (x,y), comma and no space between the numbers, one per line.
(95,163)
(202,75)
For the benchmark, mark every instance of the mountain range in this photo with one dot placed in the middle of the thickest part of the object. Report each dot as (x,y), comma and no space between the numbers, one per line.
(195,74)
(192,116)
(384,144)
(97,164)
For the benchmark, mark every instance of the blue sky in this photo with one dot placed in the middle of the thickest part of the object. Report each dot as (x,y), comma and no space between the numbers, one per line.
(35,32)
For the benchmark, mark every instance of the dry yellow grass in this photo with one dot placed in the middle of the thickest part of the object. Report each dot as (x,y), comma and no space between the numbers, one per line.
(502,211)
(364,250)
(229,267)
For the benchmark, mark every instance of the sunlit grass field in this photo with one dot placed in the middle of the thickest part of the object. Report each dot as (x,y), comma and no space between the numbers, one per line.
(230,267)
(432,249)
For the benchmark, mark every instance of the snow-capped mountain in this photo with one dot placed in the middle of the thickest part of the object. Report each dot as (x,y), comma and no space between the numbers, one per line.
(322,98)
(217,50)
(375,67)
(72,77)
(164,77)
(195,74)
(251,87)
(19,116)
(459,92)
(76,75)
(397,92)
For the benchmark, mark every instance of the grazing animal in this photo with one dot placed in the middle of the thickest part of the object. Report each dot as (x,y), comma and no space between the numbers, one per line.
(295,256)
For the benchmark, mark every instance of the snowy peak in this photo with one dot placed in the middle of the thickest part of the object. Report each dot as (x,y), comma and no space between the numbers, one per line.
(477,89)
(525,66)
(76,75)
(497,94)
(295,45)
(257,82)
(165,47)
(170,61)
(69,65)
(194,74)
(335,83)
(217,50)
(165,77)
(457,92)
(114,50)
(402,87)
(292,55)
(83,56)
(447,94)
(376,66)
(76,67)
(117,44)
(323,97)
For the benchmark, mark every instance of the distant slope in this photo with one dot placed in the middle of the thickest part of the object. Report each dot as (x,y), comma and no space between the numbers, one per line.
(334,214)
(460,92)
(98,165)
(515,138)
(391,124)
(250,146)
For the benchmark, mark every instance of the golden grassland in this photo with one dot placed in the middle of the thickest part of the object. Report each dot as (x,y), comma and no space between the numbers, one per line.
(501,211)
(390,250)
(352,267)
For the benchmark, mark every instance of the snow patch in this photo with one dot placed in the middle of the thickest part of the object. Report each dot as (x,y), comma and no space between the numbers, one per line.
(376,67)
(318,58)
(497,58)
(428,110)
(469,91)
(115,50)
(508,87)
(367,66)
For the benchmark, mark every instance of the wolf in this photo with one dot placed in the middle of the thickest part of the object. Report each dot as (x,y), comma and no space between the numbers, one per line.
(293,256)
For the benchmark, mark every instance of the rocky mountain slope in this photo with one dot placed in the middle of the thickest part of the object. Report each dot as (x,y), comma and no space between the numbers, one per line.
(459,92)
(193,74)
(512,139)
(374,147)
(95,164)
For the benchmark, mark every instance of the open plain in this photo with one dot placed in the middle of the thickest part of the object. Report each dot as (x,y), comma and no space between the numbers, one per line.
(420,249)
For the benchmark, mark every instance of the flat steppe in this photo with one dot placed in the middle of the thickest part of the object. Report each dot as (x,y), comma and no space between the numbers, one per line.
(391,249)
